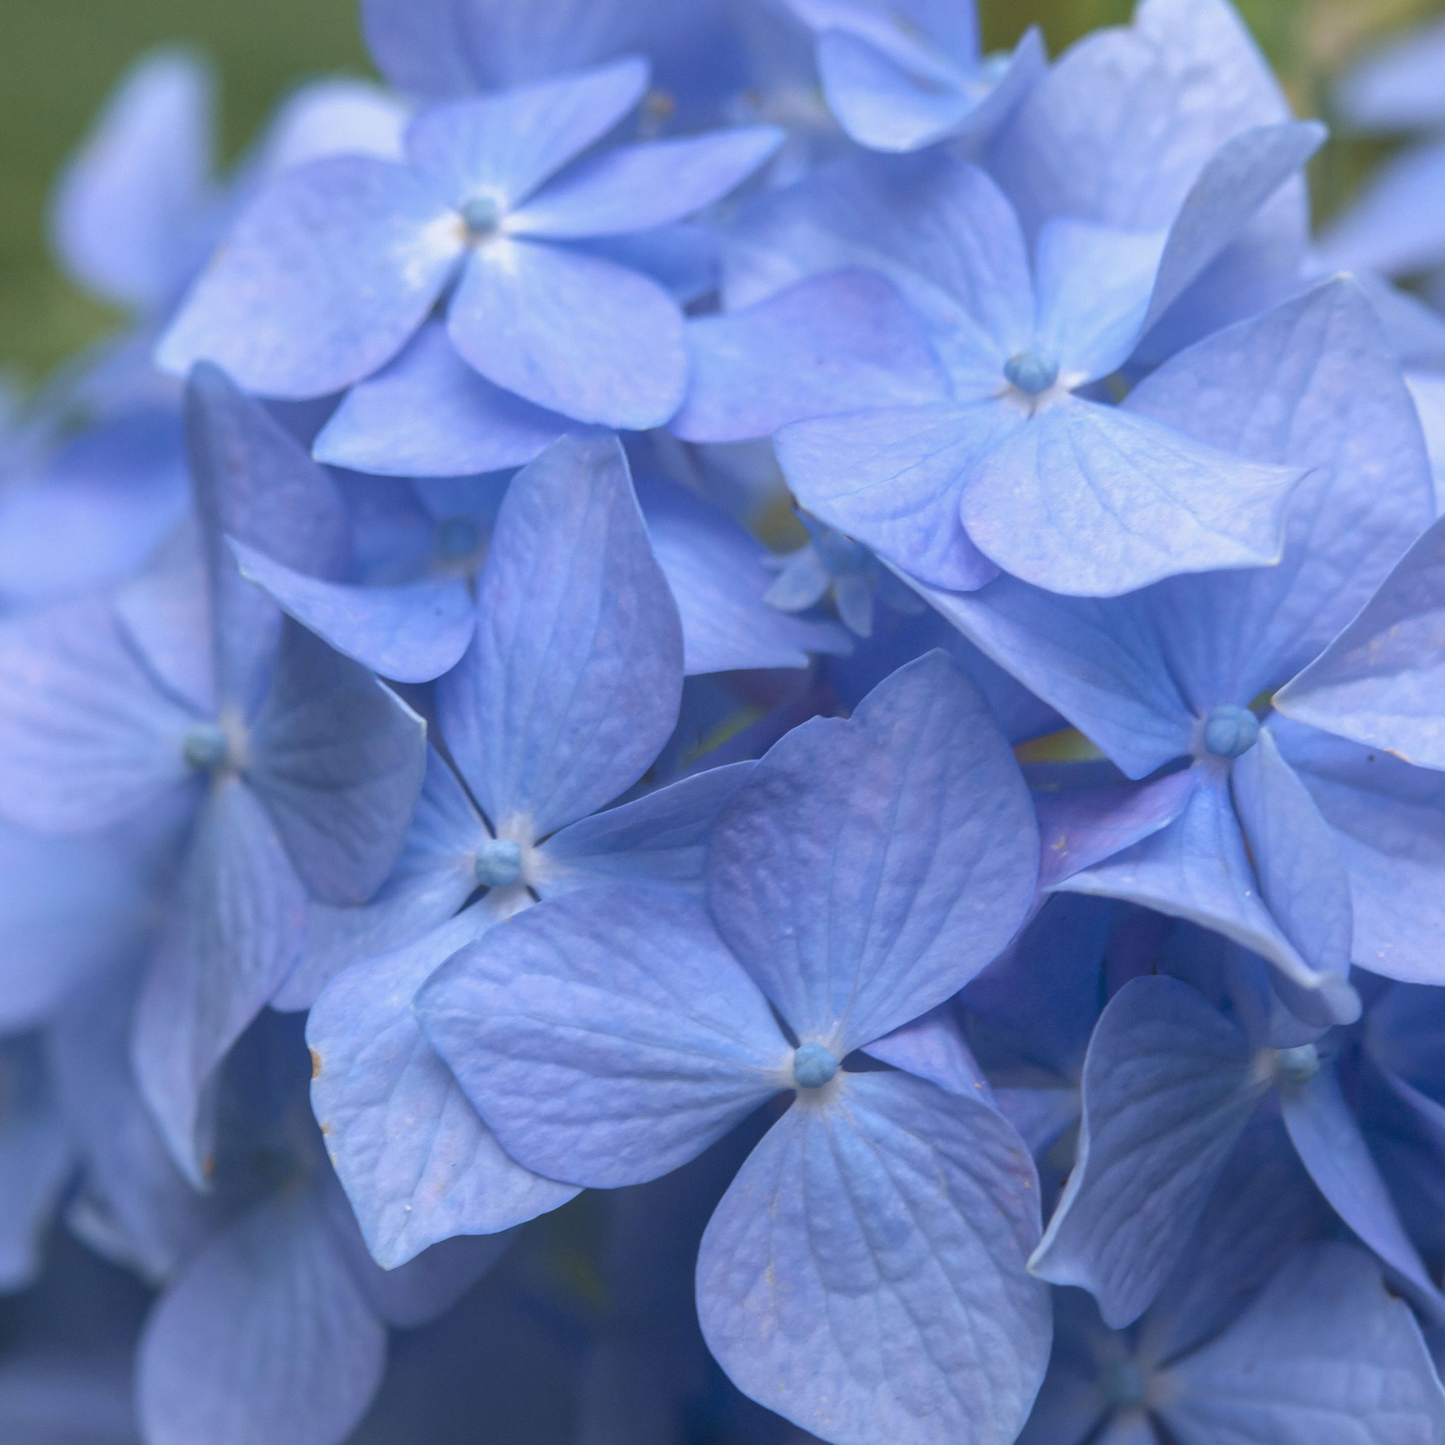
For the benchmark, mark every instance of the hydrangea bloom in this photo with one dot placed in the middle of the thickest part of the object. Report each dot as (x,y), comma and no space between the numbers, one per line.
(723,724)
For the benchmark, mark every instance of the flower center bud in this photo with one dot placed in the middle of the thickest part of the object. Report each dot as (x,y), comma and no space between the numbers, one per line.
(498,863)
(457,538)
(205,747)
(1031,373)
(813,1066)
(1123,1385)
(482,215)
(1230,732)
(1297,1065)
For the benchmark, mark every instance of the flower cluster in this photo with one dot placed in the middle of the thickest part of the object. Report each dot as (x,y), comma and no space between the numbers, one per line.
(726,725)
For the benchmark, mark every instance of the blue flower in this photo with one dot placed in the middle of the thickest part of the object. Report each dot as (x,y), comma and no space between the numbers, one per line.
(337,264)
(863,872)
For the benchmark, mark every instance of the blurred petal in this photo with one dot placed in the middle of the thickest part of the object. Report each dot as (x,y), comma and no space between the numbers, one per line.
(1084,826)
(265,1339)
(229,940)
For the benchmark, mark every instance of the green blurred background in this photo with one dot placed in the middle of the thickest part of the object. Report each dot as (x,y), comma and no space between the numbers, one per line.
(58,58)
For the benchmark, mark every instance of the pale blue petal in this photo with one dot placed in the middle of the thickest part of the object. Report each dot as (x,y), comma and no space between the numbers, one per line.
(1169,1085)
(429,414)
(1095,501)
(869,868)
(893,478)
(864,1274)
(935,1047)
(126,211)
(1395,225)
(1397,87)
(35,1160)
(573,681)
(571,332)
(608,1036)
(87,736)
(265,1338)
(503,146)
(1325,1356)
(229,940)
(844,341)
(634,188)
(321,281)
(416,1161)
(413,632)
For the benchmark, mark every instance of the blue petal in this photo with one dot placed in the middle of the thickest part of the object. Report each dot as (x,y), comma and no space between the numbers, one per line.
(1302,878)
(338,759)
(1385,818)
(864,1274)
(893,478)
(507,144)
(1181,80)
(434,876)
(321,281)
(572,684)
(1394,225)
(606,1037)
(1080,827)
(634,188)
(255,483)
(888,104)
(1334,1151)
(901,29)
(86,734)
(1312,385)
(127,209)
(1169,1085)
(1396,87)
(35,1160)
(869,868)
(661,837)
(429,414)
(265,1338)
(417,1163)
(719,577)
(934,1047)
(840,342)
(1379,682)
(1324,1355)
(230,938)
(1095,500)
(413,632)
(129,1173)
(571,332)
(1198,868)
(1103,663)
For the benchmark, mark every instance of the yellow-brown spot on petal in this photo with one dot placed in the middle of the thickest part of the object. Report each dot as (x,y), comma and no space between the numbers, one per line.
(315,1063)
